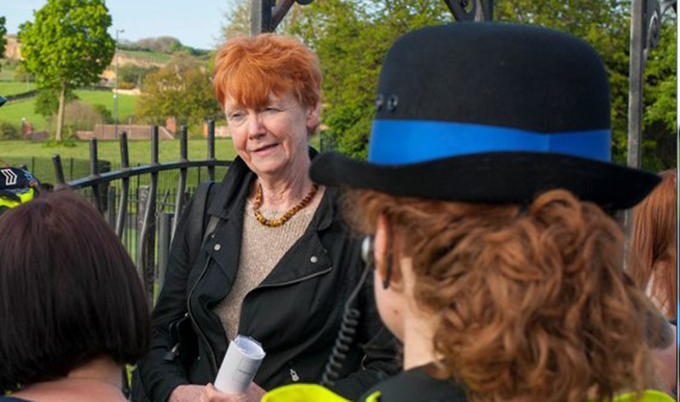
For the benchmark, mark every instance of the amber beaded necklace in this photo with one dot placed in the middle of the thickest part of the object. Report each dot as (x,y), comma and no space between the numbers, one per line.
(273,223)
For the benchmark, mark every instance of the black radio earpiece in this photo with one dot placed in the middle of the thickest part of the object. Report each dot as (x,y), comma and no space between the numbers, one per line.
(367,251)
(368,256)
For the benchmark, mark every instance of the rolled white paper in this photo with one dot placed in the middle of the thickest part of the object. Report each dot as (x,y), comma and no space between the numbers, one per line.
(240,365)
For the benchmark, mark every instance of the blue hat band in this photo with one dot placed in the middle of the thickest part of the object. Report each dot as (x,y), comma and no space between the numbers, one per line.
(399,142)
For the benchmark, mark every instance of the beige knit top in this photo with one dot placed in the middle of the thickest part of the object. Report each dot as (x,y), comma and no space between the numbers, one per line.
(261,249)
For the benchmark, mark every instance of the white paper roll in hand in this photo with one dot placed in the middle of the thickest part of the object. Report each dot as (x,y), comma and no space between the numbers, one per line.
(239,366)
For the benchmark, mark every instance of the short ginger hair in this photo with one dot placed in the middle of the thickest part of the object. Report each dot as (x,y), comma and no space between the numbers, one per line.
(249,69)
(530,303)
(69,292)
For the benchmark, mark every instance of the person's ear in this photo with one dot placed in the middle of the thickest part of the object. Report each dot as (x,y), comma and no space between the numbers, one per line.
(387,256)
(314,117)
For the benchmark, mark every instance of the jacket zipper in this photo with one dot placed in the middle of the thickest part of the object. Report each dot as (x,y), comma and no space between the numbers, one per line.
(213,359)
(293,374)
(304,278)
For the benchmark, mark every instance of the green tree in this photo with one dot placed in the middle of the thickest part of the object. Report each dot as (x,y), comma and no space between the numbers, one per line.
(3,32)
(236,20)
(134,74)
(182,90)
(351,39)
(660,95)
(163,44)
(67,46)
(104,113)
(47,101)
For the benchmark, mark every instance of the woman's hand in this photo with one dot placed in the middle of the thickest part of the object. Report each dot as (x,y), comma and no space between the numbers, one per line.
(186,393)
(211,394)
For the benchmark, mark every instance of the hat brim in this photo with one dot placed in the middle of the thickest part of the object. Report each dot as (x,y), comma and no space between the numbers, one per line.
(493,178)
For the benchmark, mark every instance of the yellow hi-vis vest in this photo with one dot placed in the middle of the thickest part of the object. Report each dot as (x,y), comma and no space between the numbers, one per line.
(302,393)
(24,196)
(317,393)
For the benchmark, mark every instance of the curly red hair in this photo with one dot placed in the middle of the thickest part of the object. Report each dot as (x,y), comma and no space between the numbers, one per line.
(249,69)
(530,304)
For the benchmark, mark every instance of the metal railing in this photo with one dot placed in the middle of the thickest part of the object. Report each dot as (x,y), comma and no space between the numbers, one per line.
(149,244)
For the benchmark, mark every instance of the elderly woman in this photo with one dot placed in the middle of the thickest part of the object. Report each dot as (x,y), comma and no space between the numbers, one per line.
(484,200)
(279,265)
(72,308)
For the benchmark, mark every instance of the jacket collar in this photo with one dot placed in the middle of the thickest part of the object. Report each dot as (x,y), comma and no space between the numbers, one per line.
(236,185)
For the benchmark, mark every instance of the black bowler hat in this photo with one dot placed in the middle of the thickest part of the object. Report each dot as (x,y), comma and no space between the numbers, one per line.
(490,113)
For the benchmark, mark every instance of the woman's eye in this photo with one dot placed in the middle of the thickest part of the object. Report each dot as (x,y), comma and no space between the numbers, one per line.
(271,109)
(236,116)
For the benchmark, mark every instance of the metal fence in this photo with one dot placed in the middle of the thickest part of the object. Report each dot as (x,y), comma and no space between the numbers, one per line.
(141,202)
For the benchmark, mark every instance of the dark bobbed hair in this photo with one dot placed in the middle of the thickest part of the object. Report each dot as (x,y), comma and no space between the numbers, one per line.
(69,292)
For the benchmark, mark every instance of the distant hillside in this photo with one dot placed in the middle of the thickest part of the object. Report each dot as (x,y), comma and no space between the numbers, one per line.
(143,58)
(128,52)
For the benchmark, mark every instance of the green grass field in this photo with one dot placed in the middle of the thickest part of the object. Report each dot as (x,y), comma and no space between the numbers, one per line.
(126,103)
(140,151)
(13,112)
(38,156)
(6,73)
(154,57)
(13,88)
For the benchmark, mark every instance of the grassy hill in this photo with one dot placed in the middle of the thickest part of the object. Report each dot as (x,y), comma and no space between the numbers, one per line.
(139,151)
(13,112)
(143,57)
(13,87)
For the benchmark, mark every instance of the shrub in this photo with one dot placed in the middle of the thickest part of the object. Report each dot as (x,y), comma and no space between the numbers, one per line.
(80,116)
(104,112)
(126,85)
(20,74)
(9,131)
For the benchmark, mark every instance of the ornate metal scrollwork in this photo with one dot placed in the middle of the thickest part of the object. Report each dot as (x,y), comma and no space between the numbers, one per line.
(654,13)
(471,10)
(652,30)
(273,11)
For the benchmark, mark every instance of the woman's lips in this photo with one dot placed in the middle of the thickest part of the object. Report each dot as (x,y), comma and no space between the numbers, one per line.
(264,149)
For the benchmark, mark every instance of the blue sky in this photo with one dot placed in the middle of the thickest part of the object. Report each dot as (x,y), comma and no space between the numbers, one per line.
(195,23)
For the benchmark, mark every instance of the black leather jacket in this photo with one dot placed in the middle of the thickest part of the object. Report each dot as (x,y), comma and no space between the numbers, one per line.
(295,312)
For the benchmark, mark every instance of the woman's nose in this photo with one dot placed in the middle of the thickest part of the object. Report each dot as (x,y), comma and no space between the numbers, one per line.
(255,125)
